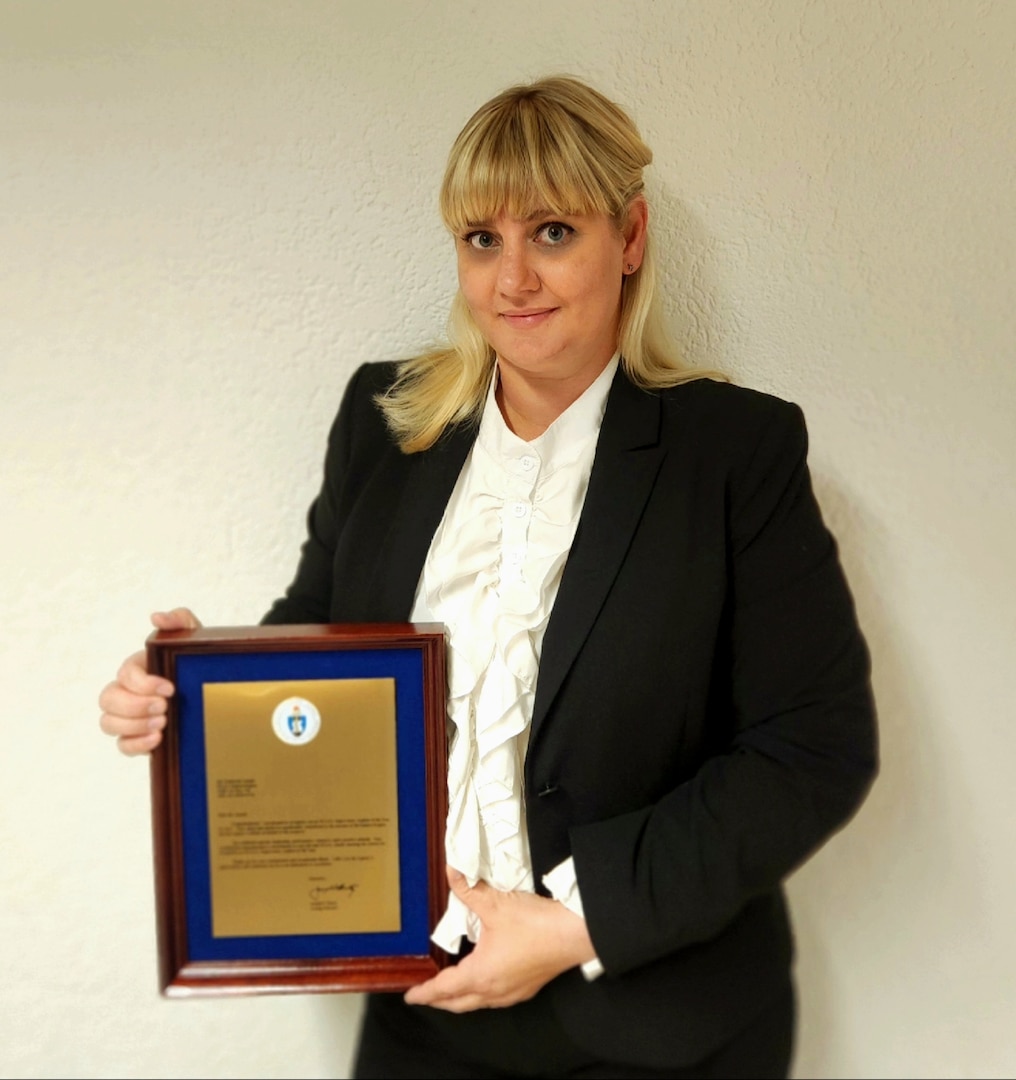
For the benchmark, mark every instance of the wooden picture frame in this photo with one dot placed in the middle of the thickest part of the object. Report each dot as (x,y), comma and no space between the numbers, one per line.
(234,915)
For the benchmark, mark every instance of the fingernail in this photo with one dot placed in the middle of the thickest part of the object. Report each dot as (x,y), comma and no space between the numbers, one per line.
(156,708)
(157,723)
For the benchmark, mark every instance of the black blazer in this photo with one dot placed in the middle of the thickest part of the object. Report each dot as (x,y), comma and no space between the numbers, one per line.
(703,717)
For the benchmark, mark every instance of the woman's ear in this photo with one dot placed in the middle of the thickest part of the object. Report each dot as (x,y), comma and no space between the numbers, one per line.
(635,234)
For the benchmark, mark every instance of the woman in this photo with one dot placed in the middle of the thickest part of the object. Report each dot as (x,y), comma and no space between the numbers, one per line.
(659,692)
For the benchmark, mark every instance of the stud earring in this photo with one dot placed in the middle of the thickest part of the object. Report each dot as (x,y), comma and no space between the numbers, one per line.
(630,267)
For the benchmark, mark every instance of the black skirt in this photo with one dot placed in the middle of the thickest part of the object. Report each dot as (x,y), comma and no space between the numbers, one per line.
(526,1040)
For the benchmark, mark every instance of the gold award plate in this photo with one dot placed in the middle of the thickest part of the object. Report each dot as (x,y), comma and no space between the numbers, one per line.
(303,807)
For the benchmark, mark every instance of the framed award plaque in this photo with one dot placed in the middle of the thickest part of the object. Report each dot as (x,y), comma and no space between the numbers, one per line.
(298,808)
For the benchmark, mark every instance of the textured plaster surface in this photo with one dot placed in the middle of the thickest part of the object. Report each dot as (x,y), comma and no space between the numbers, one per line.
(211,213)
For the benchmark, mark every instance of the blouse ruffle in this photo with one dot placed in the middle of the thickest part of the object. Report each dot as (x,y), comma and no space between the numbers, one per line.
(491,577)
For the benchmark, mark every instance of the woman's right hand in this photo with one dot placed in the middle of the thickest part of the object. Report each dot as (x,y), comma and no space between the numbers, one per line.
(134,704)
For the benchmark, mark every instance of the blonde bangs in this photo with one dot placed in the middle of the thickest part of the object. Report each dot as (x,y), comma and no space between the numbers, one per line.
(521,162)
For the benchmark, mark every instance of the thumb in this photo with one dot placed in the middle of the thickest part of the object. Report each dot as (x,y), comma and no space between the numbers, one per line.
(180,618)
(475,897)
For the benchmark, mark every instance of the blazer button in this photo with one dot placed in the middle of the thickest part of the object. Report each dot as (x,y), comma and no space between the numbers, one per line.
(547,789)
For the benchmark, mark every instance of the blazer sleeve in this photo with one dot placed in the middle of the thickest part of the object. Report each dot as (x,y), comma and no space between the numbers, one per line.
(795,696)
(308,598)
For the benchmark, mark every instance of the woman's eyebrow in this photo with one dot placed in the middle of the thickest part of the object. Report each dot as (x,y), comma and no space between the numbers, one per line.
(536,215)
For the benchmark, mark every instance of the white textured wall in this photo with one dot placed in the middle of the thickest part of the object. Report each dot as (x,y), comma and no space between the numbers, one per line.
(210,212)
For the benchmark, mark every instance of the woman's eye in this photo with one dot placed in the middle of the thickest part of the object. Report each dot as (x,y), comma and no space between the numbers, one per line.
(554,232)
(482,241)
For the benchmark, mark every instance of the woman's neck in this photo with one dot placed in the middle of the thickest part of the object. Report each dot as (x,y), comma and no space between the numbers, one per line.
(529,404)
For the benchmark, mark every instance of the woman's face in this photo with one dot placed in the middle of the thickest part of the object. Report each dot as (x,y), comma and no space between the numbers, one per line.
(546,292)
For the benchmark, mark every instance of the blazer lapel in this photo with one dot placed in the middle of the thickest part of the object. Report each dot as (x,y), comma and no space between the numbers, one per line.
(426,481)
(628,458)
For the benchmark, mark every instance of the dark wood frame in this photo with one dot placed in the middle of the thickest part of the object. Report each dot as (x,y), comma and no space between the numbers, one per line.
(182,976)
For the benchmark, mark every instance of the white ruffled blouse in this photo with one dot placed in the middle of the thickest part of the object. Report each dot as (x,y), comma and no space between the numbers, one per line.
(491,577)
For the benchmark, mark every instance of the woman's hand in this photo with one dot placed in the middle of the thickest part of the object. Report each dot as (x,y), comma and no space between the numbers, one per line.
(134,704)
(525,942)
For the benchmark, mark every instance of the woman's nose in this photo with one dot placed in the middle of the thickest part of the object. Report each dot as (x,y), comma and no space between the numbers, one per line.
(516,272)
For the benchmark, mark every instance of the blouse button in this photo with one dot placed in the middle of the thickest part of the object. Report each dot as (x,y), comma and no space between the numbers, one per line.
(519,509)
(527,463)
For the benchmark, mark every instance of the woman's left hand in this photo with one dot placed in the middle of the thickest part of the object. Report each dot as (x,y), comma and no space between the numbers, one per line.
(526,940)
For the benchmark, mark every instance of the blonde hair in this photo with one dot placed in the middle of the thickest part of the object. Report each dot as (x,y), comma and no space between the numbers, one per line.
(558,145)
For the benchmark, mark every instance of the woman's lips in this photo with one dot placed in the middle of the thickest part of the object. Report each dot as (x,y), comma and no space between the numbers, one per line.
(525,319)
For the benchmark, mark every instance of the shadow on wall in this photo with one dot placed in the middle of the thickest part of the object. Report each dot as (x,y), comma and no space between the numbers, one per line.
(853,903)
(688,281)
